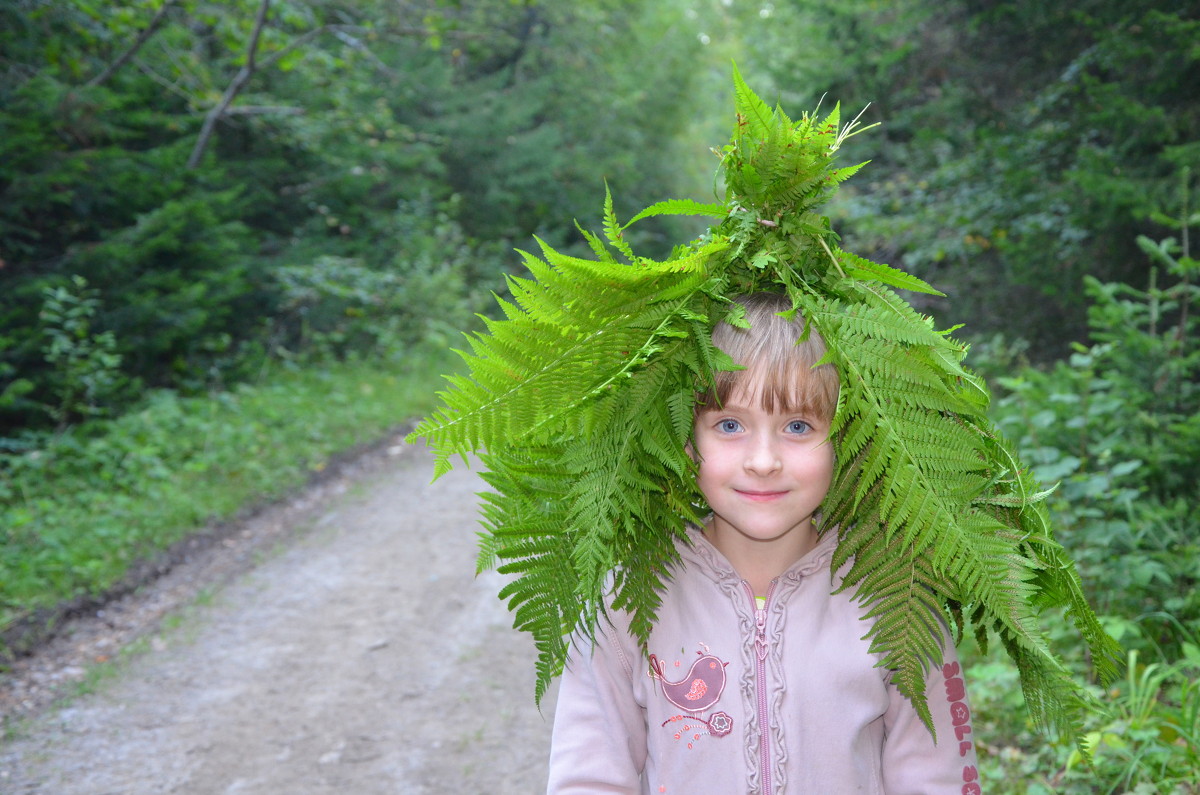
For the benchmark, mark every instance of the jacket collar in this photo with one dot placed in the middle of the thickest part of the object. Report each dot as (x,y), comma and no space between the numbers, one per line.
(699,551)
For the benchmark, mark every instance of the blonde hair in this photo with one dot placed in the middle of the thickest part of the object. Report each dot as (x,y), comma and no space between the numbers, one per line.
(779,364)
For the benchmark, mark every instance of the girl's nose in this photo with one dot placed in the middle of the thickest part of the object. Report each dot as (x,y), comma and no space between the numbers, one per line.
(763,457)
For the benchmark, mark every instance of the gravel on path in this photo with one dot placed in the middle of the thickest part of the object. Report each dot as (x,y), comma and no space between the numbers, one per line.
(352,651)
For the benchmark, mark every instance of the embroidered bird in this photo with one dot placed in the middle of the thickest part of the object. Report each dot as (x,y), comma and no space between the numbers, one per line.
(699,690)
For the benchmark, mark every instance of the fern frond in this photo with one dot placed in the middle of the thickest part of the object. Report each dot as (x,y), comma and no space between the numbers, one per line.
(916,471)
(596,245)
(752,112)
(613,229)
(678,207)
(532,371)
(905,611)
(862,268)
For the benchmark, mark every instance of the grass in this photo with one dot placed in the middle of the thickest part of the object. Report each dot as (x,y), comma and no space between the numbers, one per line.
(80,511)
(1144,734)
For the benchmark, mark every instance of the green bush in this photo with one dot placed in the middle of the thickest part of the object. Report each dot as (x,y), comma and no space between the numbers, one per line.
(338,306)
(79,508)
(84,362)
(1145,740)
(1117,426)
(384,167)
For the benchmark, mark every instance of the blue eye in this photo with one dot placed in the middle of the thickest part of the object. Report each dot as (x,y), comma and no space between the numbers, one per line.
(729,426)
(798,426)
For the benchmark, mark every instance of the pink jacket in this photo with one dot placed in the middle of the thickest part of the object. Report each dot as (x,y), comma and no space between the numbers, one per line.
(723,674)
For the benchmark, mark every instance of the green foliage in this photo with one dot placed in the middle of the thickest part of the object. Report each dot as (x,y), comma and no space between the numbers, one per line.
(1119,424)
(337,306)
(582,398)
(556,371)
(184,285)
(572,94)
(1080,424)
(80,508)
(84,362)
(359,143)
(1145,739)
(1023,142)
(1116,424)
(1151,738)
(350,204)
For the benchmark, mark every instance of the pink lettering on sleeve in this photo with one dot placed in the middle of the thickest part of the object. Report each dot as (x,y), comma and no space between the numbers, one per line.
(960,716)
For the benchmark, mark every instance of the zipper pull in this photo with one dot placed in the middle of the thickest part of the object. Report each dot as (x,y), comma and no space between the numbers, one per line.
(760,625)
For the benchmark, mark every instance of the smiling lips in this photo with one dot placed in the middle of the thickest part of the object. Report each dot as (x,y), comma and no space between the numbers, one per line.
(760,496)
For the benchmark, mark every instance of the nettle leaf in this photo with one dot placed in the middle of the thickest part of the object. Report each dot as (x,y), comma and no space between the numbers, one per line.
(579,401)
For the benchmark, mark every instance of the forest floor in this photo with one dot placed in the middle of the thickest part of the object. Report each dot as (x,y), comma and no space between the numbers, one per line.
(333,642)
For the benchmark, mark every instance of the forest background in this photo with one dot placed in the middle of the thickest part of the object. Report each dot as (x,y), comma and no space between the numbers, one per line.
(237,239)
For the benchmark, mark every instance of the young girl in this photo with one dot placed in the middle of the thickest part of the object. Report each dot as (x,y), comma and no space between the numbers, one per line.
(758,679)
(730,661)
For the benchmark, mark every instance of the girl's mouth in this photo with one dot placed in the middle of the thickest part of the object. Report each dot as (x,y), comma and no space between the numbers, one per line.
(760,496)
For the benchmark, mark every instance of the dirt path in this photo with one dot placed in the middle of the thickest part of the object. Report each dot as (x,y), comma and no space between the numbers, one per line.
(351,652)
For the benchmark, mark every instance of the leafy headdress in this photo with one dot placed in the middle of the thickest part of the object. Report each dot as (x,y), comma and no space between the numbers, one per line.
(579,403)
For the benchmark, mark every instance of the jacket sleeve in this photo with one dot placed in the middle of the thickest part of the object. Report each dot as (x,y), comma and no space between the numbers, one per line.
(599,739)
(912,763)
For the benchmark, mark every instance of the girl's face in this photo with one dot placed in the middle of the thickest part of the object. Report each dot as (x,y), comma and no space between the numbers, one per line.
(764,473)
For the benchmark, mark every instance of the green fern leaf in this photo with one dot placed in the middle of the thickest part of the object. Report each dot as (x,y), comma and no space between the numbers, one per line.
(613,230)
(861,268)
(678,207)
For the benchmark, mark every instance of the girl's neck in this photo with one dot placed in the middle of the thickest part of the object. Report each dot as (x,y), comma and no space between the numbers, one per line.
(760,562)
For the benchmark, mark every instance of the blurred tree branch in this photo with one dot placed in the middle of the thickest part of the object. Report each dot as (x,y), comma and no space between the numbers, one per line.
(252,65)
(160,16)
(239,82)
(265,110)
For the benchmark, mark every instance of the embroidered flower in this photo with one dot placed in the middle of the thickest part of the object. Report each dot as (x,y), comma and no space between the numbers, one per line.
(720,724)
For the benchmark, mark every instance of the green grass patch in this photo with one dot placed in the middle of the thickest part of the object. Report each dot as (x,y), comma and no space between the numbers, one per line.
(1143,735)
(79,511)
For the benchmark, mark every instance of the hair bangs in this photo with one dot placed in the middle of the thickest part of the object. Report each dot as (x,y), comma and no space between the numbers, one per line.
(780,366)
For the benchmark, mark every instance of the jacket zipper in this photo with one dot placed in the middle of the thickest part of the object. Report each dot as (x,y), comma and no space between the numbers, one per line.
(760,685)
